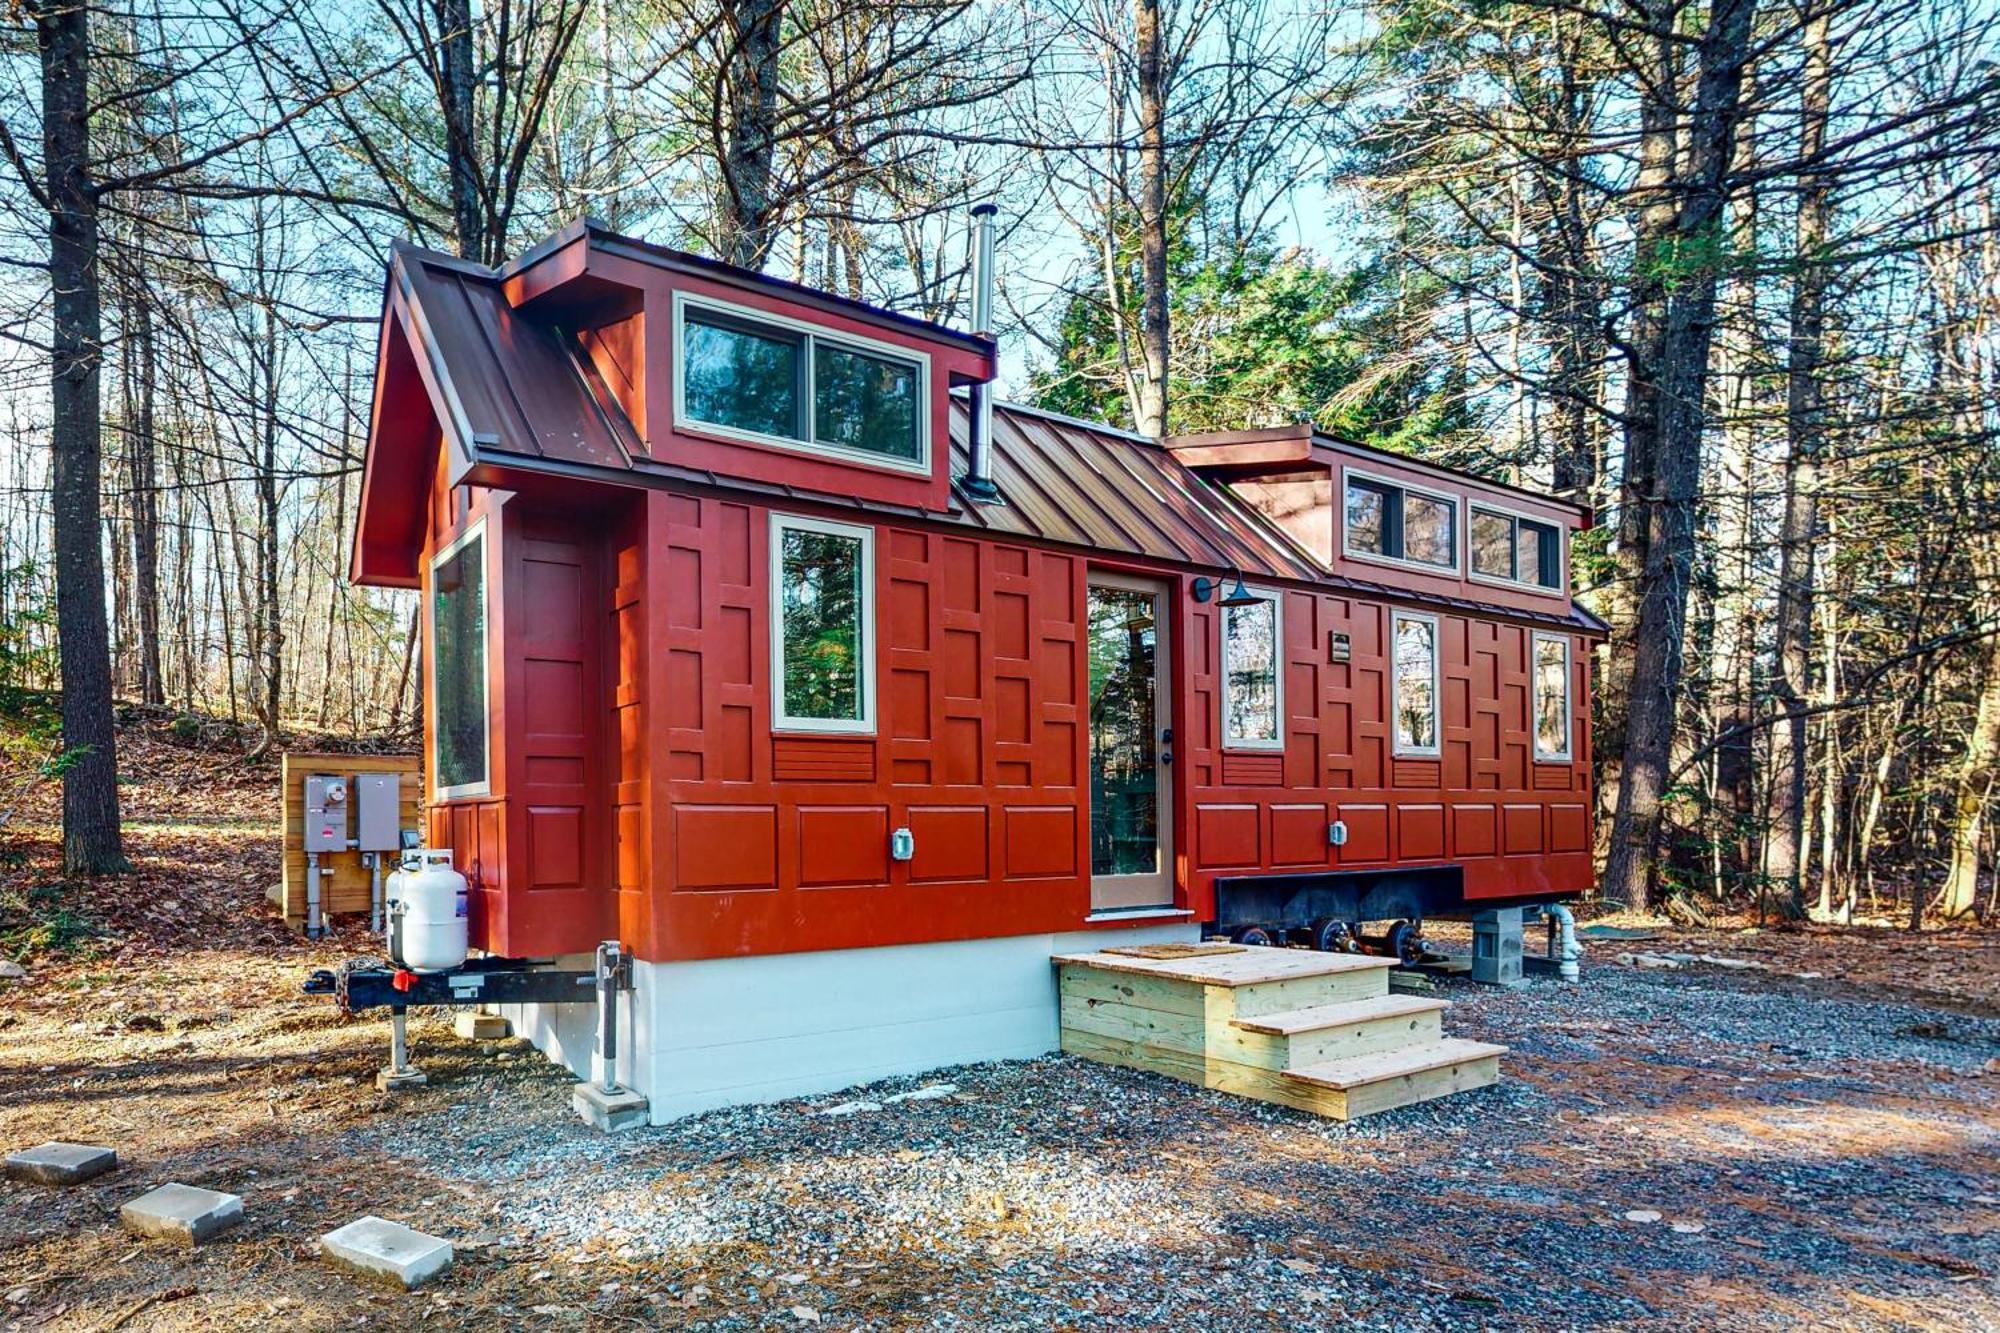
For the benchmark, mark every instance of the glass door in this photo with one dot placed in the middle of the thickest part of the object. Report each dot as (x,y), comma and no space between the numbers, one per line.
(1131,788)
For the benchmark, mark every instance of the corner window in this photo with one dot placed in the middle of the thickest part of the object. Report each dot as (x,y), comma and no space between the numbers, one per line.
(1385,521)
(776,381)
(1415,685)
(1253,675)
(822,625)
(1518,550)
(458,666)
(1551,698)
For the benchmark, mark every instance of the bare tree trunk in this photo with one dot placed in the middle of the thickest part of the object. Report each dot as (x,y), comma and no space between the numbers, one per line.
(1149,387)
(1656,209)
(1981,765)
(1806,429)
(460,74)
(745,227)
(145,509)
(92,838)
(1658,654)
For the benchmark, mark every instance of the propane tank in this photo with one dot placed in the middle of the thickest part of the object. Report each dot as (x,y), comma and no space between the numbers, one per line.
(426,897)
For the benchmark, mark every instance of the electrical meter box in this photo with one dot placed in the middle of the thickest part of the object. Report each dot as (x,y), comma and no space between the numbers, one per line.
(378,799)
(326,813)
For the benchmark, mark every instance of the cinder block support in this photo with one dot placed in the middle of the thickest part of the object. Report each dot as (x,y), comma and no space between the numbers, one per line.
(1496,946)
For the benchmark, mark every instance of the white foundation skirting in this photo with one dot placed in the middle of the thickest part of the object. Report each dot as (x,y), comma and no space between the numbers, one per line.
(719,1032)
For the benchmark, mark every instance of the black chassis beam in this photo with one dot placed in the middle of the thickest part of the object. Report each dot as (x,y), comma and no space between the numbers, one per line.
(475,981)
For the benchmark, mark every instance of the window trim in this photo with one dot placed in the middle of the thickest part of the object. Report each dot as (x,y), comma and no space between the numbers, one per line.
(812,334)
(483,787)
(866,724)
(1561,588)
(1567,755)
(1456,569)
(1397,746)
(1276,598)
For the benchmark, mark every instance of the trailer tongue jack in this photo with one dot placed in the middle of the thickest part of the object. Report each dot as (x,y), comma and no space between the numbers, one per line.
(366,983)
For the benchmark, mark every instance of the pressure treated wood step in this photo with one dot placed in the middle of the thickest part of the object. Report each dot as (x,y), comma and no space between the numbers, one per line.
(1244,1021)
(1251,965)
(1320,1032)
(1386,1079)
(1291,1022)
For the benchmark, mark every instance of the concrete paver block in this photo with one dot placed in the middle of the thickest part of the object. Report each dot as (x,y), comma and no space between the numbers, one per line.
(396,1080)
(478,1027)
(386,1252)
(185,1213)
(610,1111)
(61,1163)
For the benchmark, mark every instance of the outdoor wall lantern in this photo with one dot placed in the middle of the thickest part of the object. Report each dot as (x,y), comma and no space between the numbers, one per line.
(1205,588)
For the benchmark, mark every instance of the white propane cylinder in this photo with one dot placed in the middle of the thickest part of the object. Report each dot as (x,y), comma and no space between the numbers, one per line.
(427,904)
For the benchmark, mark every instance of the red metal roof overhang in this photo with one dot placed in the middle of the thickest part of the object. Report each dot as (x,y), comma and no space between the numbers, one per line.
(462,369)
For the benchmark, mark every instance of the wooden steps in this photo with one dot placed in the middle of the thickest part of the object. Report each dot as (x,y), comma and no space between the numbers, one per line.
(1317,1031)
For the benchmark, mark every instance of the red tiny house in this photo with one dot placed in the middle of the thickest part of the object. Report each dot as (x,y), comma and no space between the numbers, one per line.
(753,692)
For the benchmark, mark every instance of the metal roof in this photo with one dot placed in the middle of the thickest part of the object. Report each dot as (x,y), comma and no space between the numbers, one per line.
(525,398)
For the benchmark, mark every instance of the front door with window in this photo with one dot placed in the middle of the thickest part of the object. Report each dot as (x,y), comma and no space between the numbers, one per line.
(1131,788)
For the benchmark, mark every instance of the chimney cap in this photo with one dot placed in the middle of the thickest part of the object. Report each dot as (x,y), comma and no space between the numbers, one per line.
(985,210)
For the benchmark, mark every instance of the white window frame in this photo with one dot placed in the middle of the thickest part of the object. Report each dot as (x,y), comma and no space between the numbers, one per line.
(483,787)
(1277,601)
(1436,749)
(1562,550)
(864,725)
(1455,569)
(813,334)
(1568,752)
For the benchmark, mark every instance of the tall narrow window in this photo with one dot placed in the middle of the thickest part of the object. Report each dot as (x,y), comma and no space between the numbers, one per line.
(458,666)
(1415,643)
(1552,698)
(1253,675)
(823,625)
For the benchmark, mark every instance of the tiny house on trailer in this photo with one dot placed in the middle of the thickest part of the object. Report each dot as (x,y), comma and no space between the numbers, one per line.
(759,639)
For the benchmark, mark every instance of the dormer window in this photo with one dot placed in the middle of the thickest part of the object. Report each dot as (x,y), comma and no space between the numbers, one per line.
(1400,524)
(765,379)
(1512,549)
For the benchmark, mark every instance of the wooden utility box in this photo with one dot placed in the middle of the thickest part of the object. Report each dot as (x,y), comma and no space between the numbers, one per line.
(346,890)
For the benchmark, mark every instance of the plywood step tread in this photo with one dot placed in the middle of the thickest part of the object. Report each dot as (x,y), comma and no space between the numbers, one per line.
(1251,966)
(1358,1071)
(1319,1017)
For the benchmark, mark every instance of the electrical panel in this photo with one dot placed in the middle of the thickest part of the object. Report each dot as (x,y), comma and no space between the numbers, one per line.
(378,799)
(326,813)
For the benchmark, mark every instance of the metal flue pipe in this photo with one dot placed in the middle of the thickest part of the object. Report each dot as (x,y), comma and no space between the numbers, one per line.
(979,475)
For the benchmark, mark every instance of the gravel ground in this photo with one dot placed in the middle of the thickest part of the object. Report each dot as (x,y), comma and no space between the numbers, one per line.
(1812,1161)
(1700,1148)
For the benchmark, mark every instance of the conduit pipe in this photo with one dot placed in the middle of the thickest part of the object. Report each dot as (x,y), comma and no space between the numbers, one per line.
(1564,950)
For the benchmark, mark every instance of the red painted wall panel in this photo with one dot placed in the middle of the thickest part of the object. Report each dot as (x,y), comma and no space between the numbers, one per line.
(639,788)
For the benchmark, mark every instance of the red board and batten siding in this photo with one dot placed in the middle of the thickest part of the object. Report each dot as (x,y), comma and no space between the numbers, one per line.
(776,842)
(653,800)
(1517,826)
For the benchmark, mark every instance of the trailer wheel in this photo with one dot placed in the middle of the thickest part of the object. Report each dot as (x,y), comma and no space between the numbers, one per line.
(1253,935)
(1406,942)
(1332,935)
